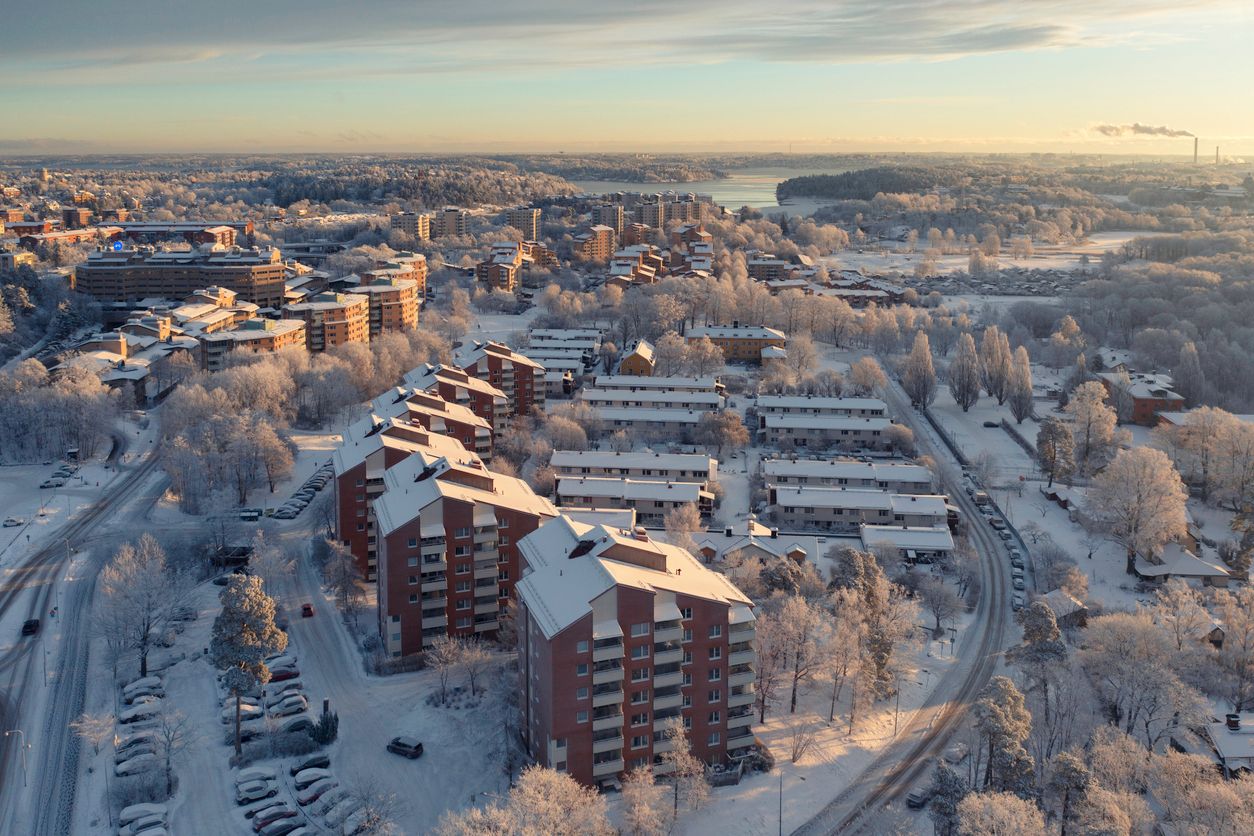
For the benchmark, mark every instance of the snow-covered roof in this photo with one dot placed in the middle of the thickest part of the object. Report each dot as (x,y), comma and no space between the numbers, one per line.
(402,400)
(852,469)
(1144,386)
(828,497)
(645,415)
(1063,603)
(639,459)
(560,585)
(743,332)
(629,489)
(427,376)
(913,537)
(475,350)
(1234,745)
(821,404)
(711,401)
(1177,561)
(372,433)
(644,382)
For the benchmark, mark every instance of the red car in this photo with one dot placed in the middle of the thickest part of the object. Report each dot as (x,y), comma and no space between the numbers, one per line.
(275,813)
(306,610)
(284,675)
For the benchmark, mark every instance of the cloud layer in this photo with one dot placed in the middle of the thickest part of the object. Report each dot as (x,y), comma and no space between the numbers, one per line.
(1137,129)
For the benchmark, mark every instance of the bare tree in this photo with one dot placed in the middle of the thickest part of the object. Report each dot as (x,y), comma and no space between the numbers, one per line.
(866,377)
(475,658)
(681,523)
(140,593)
(443,656)
(941,601)
(174,734)
(687,770)
(96,729)
(343,578)
(643,813)
(1019,386)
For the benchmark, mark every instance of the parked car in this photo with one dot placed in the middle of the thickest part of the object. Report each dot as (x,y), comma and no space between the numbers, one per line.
(138,684)
(123,755)
(246,733)
(992,425)
(296,724)
(52,483)
(337,814)
(1018,584)
(143,825)
(284,514)
(139,713)
(315,791)
(30,626)
(284,674)
(1004,534)
(407,746)
(328,801)
(254,810)
(282,827)
(306,777)
(306,610)
(1017,602)
(135,812)
(136,765)
(294,704)
(1016,563)
(997,523)
(917,799)
(136,741)
(256,773)
(281,660)
(251,791)
(311,762)
(13,522)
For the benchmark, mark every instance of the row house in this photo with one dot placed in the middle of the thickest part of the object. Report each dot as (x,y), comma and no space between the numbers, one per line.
(740,343)
(456,386)
(815,405)
(646,465)
(898,477)
(448,550)
(647,399)
(369,447)
(826,431)
(909,544)
(651,500)
(670,424)
(518,376)
(438,415)
(623,641)
(647,383)
(848,509)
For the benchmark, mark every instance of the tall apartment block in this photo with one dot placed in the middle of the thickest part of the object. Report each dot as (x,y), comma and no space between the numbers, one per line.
(596,244)
(526,220)
(450,221)
(393,304)
(417,224)
(403,265)
(143,273)
(518,376)
(333,319)
(620,638)
(611,215)
(370,447)
(448,538)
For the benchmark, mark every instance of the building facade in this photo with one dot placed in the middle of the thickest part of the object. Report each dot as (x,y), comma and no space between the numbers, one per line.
(130,275)
(333,319)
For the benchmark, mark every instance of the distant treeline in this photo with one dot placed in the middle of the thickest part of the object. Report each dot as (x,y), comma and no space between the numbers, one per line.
(628,167)
(868,182)
(431,188)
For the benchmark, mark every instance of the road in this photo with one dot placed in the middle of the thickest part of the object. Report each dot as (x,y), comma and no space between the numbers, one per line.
(903,763)
(34,587)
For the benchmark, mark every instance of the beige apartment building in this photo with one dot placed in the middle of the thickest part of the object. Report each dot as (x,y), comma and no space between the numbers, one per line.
(417,224)
(526,221)
(333,319)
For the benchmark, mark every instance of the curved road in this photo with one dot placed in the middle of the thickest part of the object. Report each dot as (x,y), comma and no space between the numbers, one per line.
(52,761)
(903,762)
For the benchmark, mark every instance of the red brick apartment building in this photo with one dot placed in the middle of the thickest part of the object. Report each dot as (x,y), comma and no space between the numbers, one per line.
(458,387)
(226,233)
(448,549)
(144,273)
(333,319)
(596,244)
(621,636)
(518,376)
(438,415)
(403,265)
(370,447)
(393,304)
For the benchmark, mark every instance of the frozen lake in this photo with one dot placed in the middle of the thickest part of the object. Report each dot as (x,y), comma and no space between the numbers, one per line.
(742,187)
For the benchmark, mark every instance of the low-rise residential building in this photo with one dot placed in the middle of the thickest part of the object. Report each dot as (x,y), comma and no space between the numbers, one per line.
(643,465)
(816,405)
(646,383)
(768,268)
(68,236)
(1233,740)
(671,424)
(897,477)
(1150,394)
(135,365)
(447,541)
(848,509)
(750,540)
(651,399)
(369,447)
(740,343)
(13,260)
(430,410)
(639,361)
(393,304)
(332,319)
(131,275)
(821,432)
(621,636)
(254,335)
(651,501)
(910,544)
(456,386)
(515,374)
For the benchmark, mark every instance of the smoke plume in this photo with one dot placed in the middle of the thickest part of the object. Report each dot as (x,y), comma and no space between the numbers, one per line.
(1137,129)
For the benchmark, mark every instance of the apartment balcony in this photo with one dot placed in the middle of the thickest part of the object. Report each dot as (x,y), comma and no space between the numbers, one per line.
(604,651)
(610,719)
(742,699)
(485,534)
(742,657)
(434,559)
(485,608)
(432,541)
(664,767)
(608,674)
(610,744)
(486,626)
(438,583)
(662,743)
(661,701)
(662,635)
(436,621)
(666,654)
(485,569)
(608,767)
(432,600)
(667,680)
(743,737)
(740,721)
(744,677)
(603,695)
(742,632)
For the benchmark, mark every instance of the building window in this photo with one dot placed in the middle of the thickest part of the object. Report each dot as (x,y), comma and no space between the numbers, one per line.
(581,647)
(503,522)
(638,697)
(361,526)
(715,718)
(687,635)
(714,738)
(503,540)
(716,630)
(413,599)
(559,743)
(581,669)
(461,533)
(716,652)
(464,621)
(687,723)
(413,561)
(463,604)
(641,652)
(581,716)
(638,630)
(462,569)
(716,674)
(413,542)
(640,719)
(560,767)
(716,695)
(462,586)
(639,741)
(413,580)
(639,674)
(581,693)
(461,551)
(686,613)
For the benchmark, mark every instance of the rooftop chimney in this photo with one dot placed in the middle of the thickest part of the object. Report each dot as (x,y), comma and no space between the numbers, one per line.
(1234,722)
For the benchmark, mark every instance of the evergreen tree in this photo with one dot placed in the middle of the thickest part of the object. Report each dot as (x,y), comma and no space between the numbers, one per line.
(244,635)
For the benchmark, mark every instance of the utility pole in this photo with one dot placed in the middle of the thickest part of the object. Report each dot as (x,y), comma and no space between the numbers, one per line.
(23,746)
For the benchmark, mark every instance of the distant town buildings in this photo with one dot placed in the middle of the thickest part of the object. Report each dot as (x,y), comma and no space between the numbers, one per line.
(525,220)
(417,224)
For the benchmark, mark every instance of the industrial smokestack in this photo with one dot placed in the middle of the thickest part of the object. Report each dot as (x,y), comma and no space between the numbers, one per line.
(1216,155)
(1194,150)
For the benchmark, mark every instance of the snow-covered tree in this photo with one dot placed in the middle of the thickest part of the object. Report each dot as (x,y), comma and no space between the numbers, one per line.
(1092,425)
(995,362)
(999,814)
(681,524)
(1140,497)
(964,374)
(948,789)
(139,593)
(704,357)
(1004,723)
(671,353)
(543,801)
(687,771)
(1188,377)
(1236,657)
(1019,386)
(1055,449)
(244,636)
(444,656)
(722,430)
(918,377)
(644,811)
(96,729)
(866,377)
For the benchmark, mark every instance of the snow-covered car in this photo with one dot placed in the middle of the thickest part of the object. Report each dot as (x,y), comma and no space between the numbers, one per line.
(143,825)
(144,683)
(281,660)
(136,765)
(123,755)
(135,812)
(284,514)
(284,674)
(249,715)
(13,522)
(1017,602)
(355,822)
(314,791)
(296,724)
(306,777)
(340,812)
(52,483)
(144,699)
(136,741)
(1018,585)
(250,791)
(256,773)
(292,705)
(311,762)
(1005,535)
(283,827)
(246,733)
(328,801)
(283,811)
(261,806)
(144,695)
(139,713)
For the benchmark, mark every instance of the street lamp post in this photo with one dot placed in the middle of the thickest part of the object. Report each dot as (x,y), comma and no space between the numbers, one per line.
(23,746)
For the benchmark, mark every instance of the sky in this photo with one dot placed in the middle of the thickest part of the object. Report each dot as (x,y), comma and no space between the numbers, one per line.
(412,76)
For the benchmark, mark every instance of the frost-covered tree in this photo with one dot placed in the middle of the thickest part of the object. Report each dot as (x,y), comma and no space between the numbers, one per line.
(681,523)
(1004,723)
(918,376)
(644,813)
(444,656)
(704,357)
(1188,377)
(948,790)
(1055,450)
(1019,387)
(244,636)
(687,771)
(1092,425)
(1139,495)
(671,353)
(964,374)
(866,377)
(1236,656)
(722,430)
(139,594)
(999,814)
(995,361)
(543,801)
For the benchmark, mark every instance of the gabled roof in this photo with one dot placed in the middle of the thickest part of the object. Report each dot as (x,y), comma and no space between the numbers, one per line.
(373,433)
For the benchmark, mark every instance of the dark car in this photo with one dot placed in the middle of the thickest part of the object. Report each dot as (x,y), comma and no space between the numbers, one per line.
(992,425)
(407,746)
(30,627)
(306,610)
(312,762)
(284,675)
